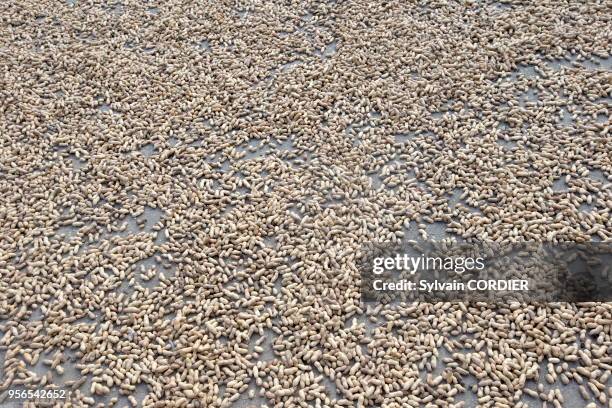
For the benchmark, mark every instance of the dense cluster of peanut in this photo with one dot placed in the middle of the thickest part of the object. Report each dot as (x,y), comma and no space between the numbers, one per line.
(184,187)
